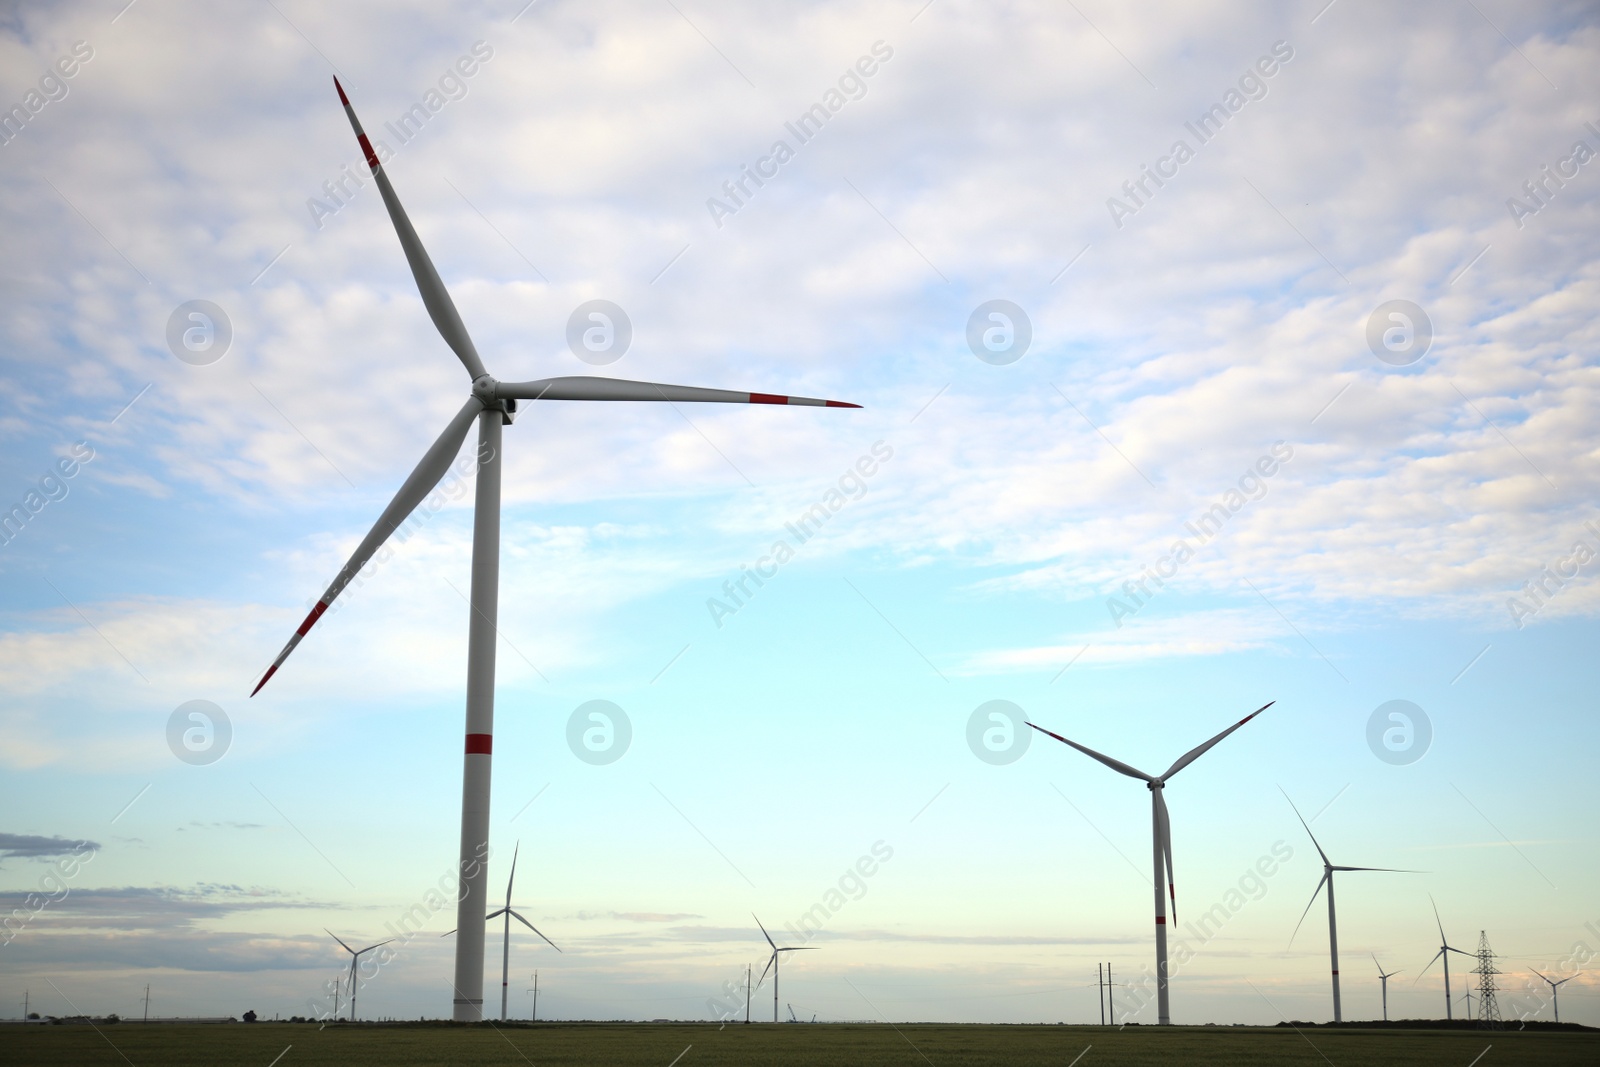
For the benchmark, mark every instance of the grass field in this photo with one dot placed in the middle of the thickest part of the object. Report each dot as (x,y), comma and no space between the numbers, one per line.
(823,1045)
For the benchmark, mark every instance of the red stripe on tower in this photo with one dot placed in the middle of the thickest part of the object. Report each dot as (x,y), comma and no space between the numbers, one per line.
(479,744)
(311,619)
(1161,920)
(366,146)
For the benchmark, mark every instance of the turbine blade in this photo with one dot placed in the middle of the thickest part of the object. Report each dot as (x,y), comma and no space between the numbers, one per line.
(513,877)
(1428,968)
(380,944)
(1385,870)
(339,939)
(495,914)
(768,967)
(448,932)
(434,464)
(1195,753)
(1314,893)
(1324,855)
(801,948)
(764,932)
(441,309)
(535,929)
(1166,849)
(1116,765)
(1442,939)
(588,387)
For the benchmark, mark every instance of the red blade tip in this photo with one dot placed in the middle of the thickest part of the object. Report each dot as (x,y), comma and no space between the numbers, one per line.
(270,672)
(343,99)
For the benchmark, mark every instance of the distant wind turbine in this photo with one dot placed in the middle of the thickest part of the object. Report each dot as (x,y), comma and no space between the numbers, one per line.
(1554,1001)
(1445,948)
(772,963)
(1161,840)
(1333,926)
(505,953)
(355,958)
(1384,978)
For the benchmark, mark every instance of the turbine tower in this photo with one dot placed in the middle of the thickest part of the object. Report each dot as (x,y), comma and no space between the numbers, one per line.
(1333,926)
(355,957)
(1445,948)
(1554,1001)
(1384,978)
(772,963)
(491,405)
(1161,836)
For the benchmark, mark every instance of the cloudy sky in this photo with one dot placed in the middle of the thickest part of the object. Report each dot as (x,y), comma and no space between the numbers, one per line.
(1298,287)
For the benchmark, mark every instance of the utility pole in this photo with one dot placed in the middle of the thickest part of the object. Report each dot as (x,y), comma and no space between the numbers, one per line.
(1100,990)
(1488,1005)
(1111,992)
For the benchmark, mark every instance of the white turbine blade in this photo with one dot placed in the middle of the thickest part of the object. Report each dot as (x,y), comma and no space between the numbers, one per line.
(1195,753)
(1166,850)
(434,295)
(434,464)
(764,932)
(767,968)
(495,914)
(1314,894)
(1325,861)
(339,939)
(1386,870)
(800,948)
(587,387)
(513,877)
(1428,968)
(448,932)
(535,929)
(1116,765)
(380,944)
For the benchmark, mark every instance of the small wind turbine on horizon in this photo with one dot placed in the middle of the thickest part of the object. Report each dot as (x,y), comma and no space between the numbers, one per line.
(1554,1001)
(1333,925)
(491,405)
(1445,948)
(355,957)
(505,955)
(1161,836)
(772,963)
(1384,978)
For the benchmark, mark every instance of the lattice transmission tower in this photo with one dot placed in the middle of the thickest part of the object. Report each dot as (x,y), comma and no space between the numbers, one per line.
(1488,1006)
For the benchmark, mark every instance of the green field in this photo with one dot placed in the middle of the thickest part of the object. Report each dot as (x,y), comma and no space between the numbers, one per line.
(823,1045)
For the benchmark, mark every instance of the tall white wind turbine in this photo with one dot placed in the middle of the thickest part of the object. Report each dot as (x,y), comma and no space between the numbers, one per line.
(772,963)
(1445,948)
(1384,978)
(355,957)
(1554,1000)
(491,405)
(505,956)
(1328,868)
(1161,840)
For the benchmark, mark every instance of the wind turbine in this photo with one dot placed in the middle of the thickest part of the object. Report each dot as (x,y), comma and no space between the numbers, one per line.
(355,957)
(505,956)
(1445,948)
(1554,1000)
(492,404)
(1384,978)
(1333,926)
(1161,835)
(772,963)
